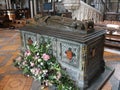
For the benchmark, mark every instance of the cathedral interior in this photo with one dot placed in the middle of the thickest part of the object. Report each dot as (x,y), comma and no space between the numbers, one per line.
(76,25)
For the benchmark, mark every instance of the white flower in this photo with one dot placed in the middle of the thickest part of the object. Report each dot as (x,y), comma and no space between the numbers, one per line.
(47,46)
(46,82)
(28,75)
(32,64)
(37,54)
(44,71)
(39,60)
(41,63)
(39,77)
(33,70)
(58,75)
(35,43)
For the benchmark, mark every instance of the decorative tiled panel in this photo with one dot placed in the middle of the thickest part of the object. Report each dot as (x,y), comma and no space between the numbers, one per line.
(44,38)
(54,46)
(83,57)
(68,52)
(28,38)
(73,73)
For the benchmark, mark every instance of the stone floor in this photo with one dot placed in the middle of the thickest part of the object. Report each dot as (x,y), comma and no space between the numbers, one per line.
(12,79)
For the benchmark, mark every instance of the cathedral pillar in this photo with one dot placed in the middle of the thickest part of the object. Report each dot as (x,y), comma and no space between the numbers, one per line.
(35,9)
(9,3)
(31,8)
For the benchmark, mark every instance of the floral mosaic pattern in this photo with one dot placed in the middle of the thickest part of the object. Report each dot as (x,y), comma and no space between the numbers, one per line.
(70,53)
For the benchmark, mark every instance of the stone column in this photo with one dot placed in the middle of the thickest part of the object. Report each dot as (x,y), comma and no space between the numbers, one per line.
(9,3)
(41,7)
(35,9)
(31,8)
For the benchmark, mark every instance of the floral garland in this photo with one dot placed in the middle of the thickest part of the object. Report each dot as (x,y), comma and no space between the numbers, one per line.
(38,61)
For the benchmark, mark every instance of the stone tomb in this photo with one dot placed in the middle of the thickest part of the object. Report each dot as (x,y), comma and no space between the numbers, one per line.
(80,53)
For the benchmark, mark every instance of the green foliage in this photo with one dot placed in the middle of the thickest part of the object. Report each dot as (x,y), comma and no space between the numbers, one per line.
(38,61)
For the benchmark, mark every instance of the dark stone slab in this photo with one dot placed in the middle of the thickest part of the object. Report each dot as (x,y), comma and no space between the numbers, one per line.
(115,78)
(63,34)
(98,83)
